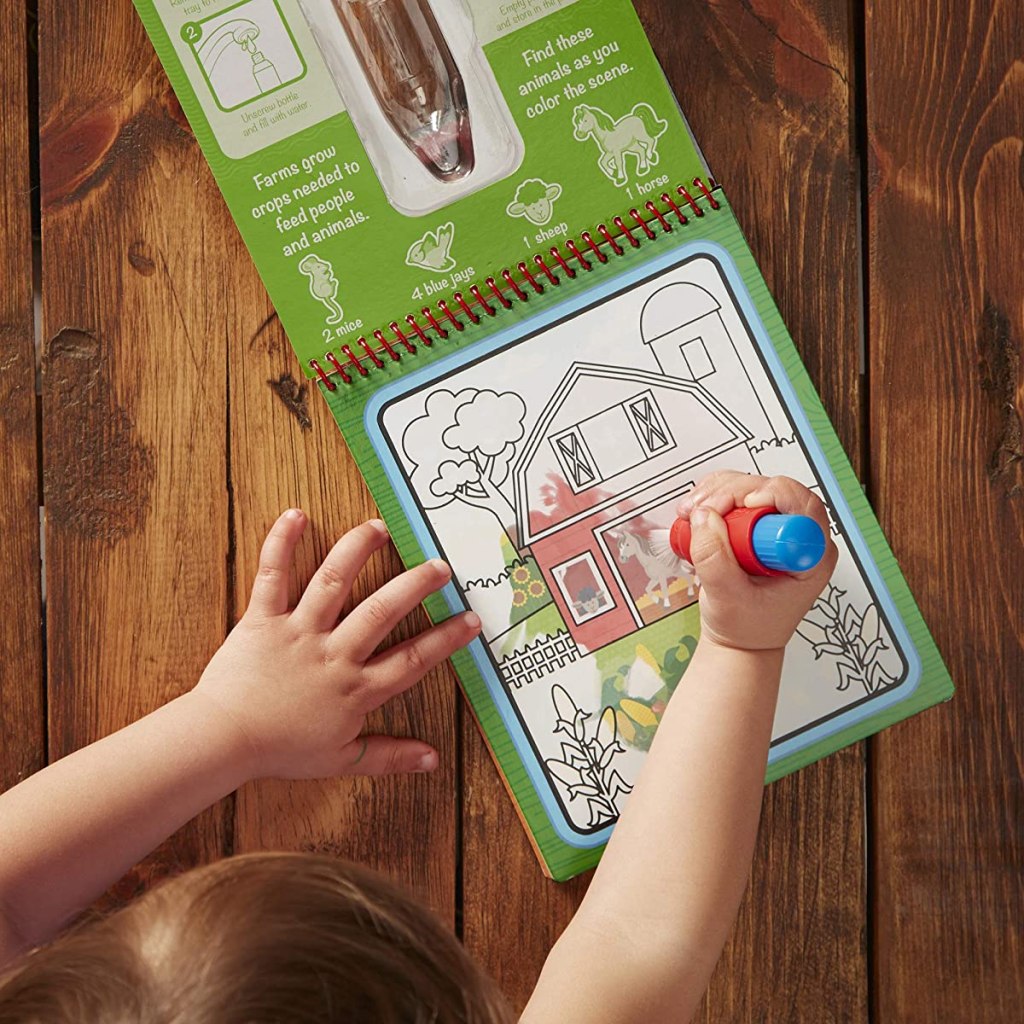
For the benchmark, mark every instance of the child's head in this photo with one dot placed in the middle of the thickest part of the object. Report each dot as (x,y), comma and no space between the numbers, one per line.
(260,939)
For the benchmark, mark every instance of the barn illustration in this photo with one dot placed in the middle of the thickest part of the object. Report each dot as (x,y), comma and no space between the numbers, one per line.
(612,442)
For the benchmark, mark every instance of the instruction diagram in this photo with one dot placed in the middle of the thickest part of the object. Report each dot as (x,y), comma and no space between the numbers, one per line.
(549,473)
(245,52)
(634,135)
(535,200)
(433,250)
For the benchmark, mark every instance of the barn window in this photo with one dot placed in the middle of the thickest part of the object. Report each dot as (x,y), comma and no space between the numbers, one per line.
(649,424)
(574,458)
(698,362)
(583,588)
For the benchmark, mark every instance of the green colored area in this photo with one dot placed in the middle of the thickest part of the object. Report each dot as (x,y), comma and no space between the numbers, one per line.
(664,649)
(529,591)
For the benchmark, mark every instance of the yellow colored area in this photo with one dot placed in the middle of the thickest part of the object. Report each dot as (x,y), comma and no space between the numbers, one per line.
(626,728)
(640,713)
(675,587)
(644,655)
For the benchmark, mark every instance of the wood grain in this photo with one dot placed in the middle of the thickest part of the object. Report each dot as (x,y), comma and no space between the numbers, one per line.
(22,742)
(287,451)
(175,429)
(134,386)
(946,120)
(769,99)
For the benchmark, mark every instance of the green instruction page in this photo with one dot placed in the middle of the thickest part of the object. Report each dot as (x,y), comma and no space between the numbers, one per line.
(338,259)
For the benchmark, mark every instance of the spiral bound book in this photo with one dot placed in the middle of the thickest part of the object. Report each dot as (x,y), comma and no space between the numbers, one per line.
(538,328)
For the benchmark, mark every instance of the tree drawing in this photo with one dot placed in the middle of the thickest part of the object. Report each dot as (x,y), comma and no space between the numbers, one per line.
(835,628)
(586,768)
(462,449)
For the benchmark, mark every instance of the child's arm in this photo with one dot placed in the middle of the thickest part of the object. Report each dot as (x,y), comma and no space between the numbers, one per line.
(285,696)
(653,924)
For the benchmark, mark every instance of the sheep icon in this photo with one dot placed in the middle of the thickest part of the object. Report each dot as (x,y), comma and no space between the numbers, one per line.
(535,200)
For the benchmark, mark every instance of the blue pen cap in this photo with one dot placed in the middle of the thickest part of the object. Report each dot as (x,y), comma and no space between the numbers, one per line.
(788,543)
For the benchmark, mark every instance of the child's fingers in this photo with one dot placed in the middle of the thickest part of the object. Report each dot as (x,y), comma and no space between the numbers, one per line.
(711,554)
(404,665)
(788,496)
(722,491)
(270,588)
(366,626)
(321,604)
(386,755)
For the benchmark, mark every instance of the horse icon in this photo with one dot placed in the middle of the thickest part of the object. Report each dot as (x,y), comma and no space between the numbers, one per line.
(660,566)
(637,134)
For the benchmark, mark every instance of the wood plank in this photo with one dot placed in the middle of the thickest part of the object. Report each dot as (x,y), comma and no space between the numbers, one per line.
(22,737)
(286,450)
(945,109)
(766,86)
(783,72)
(134,394)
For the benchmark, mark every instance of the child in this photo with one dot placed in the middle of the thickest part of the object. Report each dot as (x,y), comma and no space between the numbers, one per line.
(285,937)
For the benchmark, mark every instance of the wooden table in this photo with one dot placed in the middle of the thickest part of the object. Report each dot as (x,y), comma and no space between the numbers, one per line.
(874,154)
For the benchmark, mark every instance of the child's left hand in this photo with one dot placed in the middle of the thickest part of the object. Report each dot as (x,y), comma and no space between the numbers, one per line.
(298,684)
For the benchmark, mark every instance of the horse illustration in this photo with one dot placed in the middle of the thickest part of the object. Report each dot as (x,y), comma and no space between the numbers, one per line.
(661,564)
(636,133)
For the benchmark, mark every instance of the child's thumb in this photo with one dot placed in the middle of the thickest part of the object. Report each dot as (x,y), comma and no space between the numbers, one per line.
(710,551)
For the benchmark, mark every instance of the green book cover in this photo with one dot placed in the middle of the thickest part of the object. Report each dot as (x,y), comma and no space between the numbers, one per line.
(531,376)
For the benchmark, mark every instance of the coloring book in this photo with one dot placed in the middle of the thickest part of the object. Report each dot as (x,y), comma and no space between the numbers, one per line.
(535,416)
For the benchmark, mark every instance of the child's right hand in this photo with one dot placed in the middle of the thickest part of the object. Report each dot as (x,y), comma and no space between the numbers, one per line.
(297,684)
(753,613)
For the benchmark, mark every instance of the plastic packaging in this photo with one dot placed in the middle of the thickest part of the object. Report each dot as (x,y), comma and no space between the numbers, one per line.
(421,95)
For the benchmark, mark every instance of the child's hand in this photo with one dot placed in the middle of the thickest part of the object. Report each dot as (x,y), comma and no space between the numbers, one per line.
(738,610)
(298,683)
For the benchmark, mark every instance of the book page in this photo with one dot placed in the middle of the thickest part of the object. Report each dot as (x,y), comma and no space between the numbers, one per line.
(547,469)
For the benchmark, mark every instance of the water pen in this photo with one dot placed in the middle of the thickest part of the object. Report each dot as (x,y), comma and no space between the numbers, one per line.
(414,78)
(765,542)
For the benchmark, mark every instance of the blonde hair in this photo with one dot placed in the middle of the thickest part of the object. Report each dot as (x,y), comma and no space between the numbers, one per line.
(259,939)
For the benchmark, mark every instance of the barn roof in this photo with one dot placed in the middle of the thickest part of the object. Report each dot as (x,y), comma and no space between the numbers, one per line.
(733,431)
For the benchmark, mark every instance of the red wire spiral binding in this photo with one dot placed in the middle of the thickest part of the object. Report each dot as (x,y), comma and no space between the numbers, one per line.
(589,239)
(378,336)
(561,261)
(644,226)
(415,325)
(610,239)
(621,225)
(577,255)
(397,332)
(485,305)
(525,271)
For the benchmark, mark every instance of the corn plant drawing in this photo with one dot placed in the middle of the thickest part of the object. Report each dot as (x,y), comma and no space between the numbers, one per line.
(854,639)
(586,768)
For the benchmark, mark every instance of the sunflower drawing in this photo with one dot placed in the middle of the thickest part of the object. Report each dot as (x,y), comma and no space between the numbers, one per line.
(521,575)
